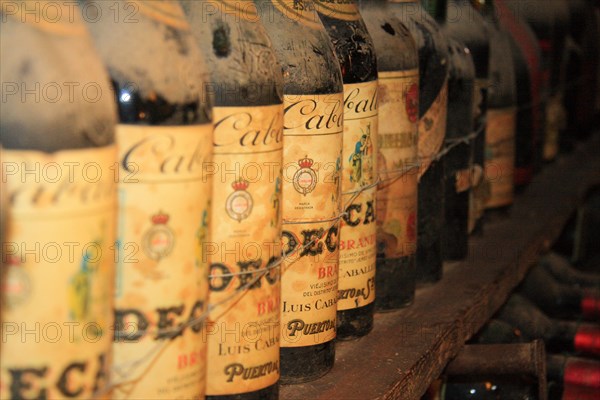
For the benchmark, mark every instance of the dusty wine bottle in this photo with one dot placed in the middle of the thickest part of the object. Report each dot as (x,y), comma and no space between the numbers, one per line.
(528,77)
(164,141)
(562,271)
(433,100)
(57,123)
(312,155)
(464,23)
(246,81)
(558,335)
(558,299)
(571,378)
(398,97)
(501,119)
(458,162)
(356,54)
(544,18)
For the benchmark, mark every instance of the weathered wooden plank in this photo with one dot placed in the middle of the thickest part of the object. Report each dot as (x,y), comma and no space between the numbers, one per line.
(409,348)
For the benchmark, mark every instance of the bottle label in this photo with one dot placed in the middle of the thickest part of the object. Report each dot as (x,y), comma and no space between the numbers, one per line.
(300,11)
(397,163)
(164,192)
(164,11)
(356,287)
(432,129)
(582,373)
(480,186)
(54,17)
(243,329)
(556,119)
(500,155)
(345,10)
(313,127)
(58,289)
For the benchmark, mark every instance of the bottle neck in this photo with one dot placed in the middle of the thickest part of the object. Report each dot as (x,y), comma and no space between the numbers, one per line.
(436,8)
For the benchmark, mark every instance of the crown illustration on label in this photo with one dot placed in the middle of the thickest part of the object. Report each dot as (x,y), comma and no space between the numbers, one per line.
(160,218)
(240,184)
(306,162)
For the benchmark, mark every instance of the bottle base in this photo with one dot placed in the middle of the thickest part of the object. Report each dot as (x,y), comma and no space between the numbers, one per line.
(355,323)
(307,363)
(268,393)
(395,283)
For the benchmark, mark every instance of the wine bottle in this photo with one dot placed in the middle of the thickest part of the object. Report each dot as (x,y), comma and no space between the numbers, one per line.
(572,375)
(458,162)
(501,118)
(398,97)
(433,99)
(559,336)
(581,67)
(312,156)
(527,63)
(164,141)
(497,331)
(247,85)
(562,271)
(465,24)
(558,299)
(544,17)
(356,54)
(57,124)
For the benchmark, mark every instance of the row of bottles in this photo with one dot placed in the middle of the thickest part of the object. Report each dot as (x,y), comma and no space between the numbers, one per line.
(572,345)
(354,149)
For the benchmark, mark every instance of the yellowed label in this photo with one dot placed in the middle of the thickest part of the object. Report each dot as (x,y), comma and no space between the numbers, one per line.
(243,331)
(167,12)
(500,155)
(341,9)
(59,260)
(556,120)
(356,287)
(164,193)
(397,163)
(245,9)
(432,129)
(301,11)
(313,127)
(55,17)
(463,180)
(480,186)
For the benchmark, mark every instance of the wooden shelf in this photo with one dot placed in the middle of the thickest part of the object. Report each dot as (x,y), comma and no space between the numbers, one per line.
(409,348)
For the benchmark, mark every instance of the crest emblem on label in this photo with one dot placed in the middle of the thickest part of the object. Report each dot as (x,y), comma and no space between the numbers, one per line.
(305,179)
(239,203)
(17,286)
(159,239)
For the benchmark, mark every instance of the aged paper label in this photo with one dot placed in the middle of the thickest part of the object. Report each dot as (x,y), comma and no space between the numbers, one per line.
(500,156)
(59,260)
(432,129)
(313,127)
(397,163)
(243,332)
(356,287)
(162,288)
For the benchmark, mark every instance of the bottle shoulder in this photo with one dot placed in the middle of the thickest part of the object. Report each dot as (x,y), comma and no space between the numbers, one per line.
(238,53)
(394,45)
(155,65)
(302,48)
(62,97)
